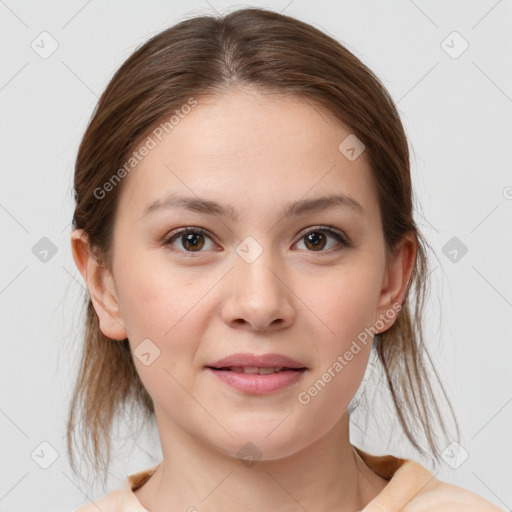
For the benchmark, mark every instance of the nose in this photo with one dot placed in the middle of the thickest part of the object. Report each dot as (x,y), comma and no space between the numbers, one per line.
(258,294)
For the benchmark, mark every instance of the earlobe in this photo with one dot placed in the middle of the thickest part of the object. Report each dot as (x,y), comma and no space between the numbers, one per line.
(101,287)
(396,279)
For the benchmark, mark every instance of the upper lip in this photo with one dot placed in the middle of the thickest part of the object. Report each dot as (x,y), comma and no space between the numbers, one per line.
(260,361)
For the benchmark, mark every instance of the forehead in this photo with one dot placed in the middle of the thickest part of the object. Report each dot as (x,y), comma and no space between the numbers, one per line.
(249,149)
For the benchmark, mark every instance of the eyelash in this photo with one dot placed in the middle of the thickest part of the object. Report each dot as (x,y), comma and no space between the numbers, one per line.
(342,239)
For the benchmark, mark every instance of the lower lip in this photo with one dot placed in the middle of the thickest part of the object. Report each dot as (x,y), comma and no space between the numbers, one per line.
(256,384)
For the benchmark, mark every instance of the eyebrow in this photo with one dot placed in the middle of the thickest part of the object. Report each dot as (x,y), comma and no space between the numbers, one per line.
(295,208)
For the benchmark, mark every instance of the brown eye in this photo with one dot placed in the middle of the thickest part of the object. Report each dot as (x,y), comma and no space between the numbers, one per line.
(315,240)
(191,239)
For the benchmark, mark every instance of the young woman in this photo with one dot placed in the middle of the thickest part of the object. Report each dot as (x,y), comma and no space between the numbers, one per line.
(244,225)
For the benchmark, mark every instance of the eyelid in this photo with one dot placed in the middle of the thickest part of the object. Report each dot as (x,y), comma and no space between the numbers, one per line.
(181,231)
(323,227)
(344,240)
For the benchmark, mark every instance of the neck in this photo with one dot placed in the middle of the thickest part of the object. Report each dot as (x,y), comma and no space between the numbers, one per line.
(325,475)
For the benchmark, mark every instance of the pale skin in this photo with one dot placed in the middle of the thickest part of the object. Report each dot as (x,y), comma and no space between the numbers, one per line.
(255,153)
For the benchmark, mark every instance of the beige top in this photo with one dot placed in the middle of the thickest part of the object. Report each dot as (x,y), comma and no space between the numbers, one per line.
(411,488)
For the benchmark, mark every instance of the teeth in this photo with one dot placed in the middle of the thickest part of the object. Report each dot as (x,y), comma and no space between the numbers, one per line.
(255,369)
(266,371)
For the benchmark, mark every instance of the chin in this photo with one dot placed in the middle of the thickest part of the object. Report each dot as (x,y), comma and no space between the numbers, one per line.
(252,446)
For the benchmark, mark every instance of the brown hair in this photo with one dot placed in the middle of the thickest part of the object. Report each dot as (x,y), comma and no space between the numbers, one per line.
(271,53)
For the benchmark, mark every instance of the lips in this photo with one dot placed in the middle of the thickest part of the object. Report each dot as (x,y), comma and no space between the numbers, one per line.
(257,370)
(255,374)
(254,363)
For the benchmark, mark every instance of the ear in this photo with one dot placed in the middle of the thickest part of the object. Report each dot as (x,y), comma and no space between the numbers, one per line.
(396,277)
(100,283)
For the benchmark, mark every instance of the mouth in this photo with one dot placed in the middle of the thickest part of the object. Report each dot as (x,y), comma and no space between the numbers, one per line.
(257,369)
(257,374)
(258,380)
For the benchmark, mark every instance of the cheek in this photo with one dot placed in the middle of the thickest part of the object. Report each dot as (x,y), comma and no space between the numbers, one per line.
(342,349)
(163,306)
(344,301)
(155,297)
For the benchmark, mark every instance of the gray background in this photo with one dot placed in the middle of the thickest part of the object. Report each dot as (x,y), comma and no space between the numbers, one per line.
(457,112)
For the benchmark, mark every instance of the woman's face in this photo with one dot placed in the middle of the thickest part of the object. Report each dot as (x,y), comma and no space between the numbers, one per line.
(257,276)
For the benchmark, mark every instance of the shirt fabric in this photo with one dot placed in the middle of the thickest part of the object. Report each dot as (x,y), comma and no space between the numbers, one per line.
(411,488)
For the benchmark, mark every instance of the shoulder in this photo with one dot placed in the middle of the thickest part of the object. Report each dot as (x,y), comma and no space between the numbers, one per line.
(122,499)
(413,488)
(111,502)
(437,495)
(450,498)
